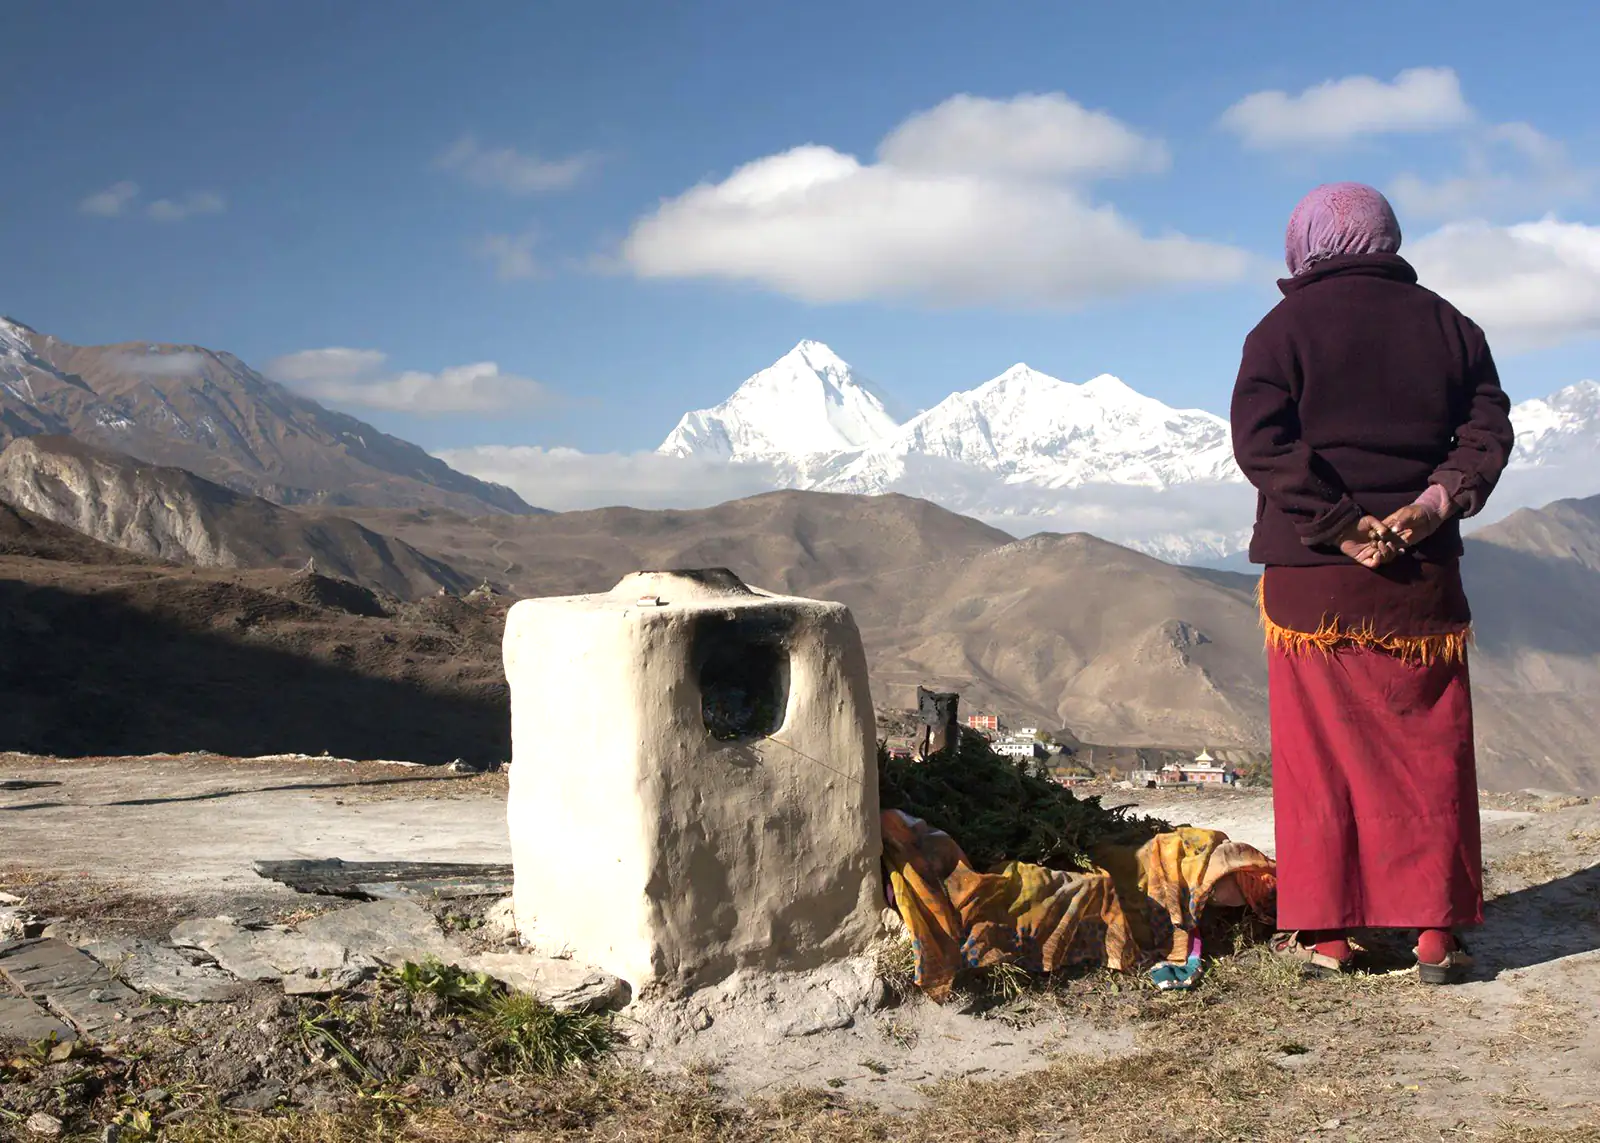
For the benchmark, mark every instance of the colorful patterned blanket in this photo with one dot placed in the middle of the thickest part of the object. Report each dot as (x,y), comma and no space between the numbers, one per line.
(1137,907)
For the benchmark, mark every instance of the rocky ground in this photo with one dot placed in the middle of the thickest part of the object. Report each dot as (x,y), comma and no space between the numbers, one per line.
(302,1022)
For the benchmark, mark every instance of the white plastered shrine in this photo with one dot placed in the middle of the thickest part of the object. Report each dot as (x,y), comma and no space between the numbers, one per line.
(693,788)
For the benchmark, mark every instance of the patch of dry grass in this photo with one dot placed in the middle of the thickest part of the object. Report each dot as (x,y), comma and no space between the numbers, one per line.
(87,900)
(1254,1054)
(1585,842)
(1511,1133)
(1539,1020)
(894,959)
(1554,805)
(1531,867)
(431,783)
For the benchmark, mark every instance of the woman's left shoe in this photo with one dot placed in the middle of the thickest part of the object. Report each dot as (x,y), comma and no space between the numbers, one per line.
(1312,963)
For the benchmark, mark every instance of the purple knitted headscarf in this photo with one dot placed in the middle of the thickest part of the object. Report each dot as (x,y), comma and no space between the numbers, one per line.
(1339,218)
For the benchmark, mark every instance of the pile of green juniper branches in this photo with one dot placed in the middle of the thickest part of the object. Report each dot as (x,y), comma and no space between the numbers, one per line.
(1000,809)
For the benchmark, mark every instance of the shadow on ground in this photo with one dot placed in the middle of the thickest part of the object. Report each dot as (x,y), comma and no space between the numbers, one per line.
(1539,924)
(168,666)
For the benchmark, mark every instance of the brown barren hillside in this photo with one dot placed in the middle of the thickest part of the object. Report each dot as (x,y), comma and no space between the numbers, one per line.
(209,412)
(1068,631)
(1116,646)
(108,653)
(804,542)
(1534,580)
(171,514)
(1075,632)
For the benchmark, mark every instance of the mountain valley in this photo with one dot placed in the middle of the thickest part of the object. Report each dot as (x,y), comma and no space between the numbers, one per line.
(1068,630)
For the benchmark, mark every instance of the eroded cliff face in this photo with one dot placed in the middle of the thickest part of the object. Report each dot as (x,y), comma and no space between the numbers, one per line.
(161,512)
(171,514)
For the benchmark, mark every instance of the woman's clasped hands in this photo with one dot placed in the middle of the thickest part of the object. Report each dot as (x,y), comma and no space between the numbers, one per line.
(1372,542)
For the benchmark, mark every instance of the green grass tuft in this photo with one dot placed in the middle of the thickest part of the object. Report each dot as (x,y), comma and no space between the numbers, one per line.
(531,1036)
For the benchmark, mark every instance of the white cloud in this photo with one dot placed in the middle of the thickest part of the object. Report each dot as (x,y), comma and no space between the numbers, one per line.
(357,378)
(507,169)
(1338,111)
(118,197)
(182,363)
(1510,166)
(565,480)
(511,255)
(191,204)
(1529,285)
(970,220)
(112,201)
(1030,135)
(325,366)
(1200,523)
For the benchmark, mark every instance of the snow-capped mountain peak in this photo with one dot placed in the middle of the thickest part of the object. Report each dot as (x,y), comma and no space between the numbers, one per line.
(1554,428)
(14,341)
(807,403)
(1109,388)
(817,357)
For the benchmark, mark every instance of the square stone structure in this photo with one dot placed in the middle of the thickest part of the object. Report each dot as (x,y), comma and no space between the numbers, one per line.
(694,779)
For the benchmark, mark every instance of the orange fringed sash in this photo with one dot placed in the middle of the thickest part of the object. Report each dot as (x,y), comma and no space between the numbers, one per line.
(1331,636)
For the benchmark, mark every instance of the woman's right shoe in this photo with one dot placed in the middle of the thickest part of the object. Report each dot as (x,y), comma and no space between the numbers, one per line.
(1453,969)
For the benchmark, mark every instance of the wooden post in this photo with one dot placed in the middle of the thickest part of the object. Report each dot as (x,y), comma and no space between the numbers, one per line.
(939,729)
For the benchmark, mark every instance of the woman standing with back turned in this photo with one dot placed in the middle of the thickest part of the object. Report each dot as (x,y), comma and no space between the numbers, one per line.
(1369,417)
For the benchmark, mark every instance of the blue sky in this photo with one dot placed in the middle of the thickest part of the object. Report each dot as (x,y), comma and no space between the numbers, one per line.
(427,187)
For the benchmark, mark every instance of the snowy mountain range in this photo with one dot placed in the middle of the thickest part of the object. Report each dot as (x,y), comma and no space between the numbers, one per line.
(1029,452)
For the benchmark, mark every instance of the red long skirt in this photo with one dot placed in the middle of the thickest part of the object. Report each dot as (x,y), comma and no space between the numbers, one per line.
(1375,792)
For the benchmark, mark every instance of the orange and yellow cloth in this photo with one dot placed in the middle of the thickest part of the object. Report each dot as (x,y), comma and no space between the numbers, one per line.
(1137,906)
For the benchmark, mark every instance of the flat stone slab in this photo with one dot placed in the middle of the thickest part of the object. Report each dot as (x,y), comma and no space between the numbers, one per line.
(157,970)
(389,931)
(325,954)
(390,880)
(202,932)
(261,954)
(13,923)
(356,969)
(23,1021)
(566,985)
(74,985)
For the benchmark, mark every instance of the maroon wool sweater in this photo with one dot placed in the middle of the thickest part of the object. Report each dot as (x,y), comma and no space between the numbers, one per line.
(1355,393)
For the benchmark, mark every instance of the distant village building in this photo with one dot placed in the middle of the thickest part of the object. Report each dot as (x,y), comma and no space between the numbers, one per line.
(1028,732)
(1020,748)
(1204,770)
(989,723)
(1144,778)
(900,748)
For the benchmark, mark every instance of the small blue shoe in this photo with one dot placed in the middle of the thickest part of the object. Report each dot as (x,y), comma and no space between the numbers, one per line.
(1169,977)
